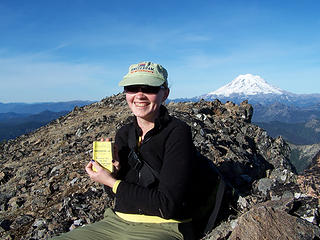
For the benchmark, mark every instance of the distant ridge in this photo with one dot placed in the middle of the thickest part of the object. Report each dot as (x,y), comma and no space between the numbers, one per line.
(13,125)
(21,118)
(34,108)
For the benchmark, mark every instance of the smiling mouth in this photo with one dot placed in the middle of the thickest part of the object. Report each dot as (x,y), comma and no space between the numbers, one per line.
(141,104)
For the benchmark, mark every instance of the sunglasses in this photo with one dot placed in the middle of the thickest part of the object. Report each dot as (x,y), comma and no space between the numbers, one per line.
(143,88)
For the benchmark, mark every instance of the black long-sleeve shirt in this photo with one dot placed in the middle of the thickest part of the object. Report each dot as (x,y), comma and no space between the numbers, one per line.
(168,149)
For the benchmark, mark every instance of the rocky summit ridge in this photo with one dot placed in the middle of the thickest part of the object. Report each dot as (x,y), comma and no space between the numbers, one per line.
(45,190)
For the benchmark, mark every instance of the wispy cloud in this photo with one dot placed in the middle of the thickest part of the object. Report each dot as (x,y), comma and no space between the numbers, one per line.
(37,78)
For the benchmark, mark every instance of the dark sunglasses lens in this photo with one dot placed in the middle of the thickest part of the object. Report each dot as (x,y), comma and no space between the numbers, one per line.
(131,89)
(151,89)
(144,89)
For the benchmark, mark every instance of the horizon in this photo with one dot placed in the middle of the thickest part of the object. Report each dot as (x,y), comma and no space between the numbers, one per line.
(64,51)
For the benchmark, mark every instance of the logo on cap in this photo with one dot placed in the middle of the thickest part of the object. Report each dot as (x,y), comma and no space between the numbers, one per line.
(142,68)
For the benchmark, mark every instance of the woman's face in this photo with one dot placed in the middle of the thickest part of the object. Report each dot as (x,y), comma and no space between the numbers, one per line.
(146,105)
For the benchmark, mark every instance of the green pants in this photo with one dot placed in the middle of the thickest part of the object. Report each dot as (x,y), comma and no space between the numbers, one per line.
(113,227)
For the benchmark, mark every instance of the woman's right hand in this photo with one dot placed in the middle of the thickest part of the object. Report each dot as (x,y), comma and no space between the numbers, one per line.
(100,175)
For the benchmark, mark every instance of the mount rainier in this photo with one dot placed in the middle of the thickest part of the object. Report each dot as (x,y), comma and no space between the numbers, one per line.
(257,91)
(247,84)
(269,103)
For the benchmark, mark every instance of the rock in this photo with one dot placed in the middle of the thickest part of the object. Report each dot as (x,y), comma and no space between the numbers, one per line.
(264,222)
(5,224)
(264,185)
(39,223)
(22,221)
(6,174)
(16,202)
(222,231)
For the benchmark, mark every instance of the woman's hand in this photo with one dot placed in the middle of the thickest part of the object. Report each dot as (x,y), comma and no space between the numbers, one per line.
(101,175)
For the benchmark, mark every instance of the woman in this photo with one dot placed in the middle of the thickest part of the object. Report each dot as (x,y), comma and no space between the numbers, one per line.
(154,167)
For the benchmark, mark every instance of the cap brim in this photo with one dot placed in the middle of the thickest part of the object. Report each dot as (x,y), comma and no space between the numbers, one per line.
(141,80)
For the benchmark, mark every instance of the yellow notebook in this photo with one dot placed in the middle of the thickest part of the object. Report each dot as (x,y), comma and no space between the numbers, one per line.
(103,154)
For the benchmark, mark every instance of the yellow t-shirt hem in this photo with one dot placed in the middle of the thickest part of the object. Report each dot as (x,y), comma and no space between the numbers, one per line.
(139,218)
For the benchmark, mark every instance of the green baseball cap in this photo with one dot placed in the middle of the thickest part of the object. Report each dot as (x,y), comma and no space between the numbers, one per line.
(145,73)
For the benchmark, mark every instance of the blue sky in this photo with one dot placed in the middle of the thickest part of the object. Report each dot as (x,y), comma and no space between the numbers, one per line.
(79,50)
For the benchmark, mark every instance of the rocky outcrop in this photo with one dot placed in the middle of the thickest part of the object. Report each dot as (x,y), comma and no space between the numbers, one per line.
(309,182)
(45,190)
(271,220)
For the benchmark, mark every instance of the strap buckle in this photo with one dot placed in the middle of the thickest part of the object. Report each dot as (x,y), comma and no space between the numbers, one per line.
(134,160)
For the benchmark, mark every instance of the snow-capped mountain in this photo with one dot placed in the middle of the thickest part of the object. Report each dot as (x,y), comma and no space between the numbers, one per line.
(258,92)
(255,89)
(269,103)
(247,84)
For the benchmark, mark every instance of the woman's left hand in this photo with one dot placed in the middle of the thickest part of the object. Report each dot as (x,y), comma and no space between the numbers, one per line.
(101,175)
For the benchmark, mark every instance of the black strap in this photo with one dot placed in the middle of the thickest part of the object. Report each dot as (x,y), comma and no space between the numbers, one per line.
(214,214)
(137,163)
(154,172)
(134,160)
